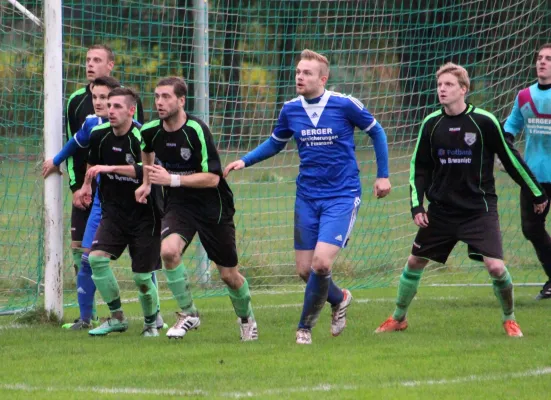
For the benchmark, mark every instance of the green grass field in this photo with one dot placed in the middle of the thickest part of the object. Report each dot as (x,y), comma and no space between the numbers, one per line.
(455,348)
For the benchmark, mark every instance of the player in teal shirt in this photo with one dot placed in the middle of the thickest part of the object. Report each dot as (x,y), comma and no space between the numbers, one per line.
(532,112)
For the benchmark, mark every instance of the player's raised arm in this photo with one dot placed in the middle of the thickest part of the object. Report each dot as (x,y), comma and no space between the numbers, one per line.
(269,148)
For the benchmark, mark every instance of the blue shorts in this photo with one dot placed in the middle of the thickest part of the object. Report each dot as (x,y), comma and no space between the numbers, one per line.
(92,223)
(324,220)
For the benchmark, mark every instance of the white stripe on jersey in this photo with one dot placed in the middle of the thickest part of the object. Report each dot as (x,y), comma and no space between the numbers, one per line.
(292,100)
(280,139)
(371,126)
(354,100)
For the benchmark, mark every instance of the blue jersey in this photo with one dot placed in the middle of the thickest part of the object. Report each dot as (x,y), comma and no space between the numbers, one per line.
(82,137)
(323,129)
(532,112)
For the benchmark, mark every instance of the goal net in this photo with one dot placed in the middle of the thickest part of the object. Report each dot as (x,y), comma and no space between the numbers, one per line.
(243,53)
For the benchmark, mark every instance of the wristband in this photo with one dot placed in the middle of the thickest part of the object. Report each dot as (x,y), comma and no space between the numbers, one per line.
(175,181)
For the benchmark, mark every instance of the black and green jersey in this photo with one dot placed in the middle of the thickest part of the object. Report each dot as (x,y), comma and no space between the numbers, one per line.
(79,106)
(116,191)
(453,162)
(187,151)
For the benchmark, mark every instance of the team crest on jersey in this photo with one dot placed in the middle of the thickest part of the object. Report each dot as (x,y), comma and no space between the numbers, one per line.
(129,158)
(470,138)
(185,153)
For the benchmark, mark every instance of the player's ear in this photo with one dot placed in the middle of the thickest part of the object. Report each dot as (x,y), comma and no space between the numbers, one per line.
(182,101)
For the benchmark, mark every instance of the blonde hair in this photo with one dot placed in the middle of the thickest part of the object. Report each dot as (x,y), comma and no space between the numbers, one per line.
(456,70)
(312,55)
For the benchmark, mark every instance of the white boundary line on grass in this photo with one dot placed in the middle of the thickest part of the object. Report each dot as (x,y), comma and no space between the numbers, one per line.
(277,391)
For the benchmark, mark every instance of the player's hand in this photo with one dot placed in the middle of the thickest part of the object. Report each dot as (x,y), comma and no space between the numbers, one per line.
(49,167)
(421,220)
(158,175)
(142,192)
(382,187)
(540,208)
(98,169)
(78,200)
(85,194)
(235,165)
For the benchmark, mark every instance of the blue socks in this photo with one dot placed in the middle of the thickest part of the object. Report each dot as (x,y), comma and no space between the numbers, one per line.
(315,296)
(335,295)
(86,290)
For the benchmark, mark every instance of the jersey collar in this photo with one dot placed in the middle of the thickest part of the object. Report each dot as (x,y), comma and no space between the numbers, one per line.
(316,100)
(467,110)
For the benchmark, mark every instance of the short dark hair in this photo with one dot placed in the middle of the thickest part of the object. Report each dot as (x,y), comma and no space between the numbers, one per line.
(128,93)
(108,81)
(179,85)
(545,46)
(107,49)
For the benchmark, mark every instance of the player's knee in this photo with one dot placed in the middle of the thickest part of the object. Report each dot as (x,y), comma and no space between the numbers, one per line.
(415,262)
(303,271)
(143,281)
(76,245)
(170,256)
(231,277)
(495,267)
(321,265)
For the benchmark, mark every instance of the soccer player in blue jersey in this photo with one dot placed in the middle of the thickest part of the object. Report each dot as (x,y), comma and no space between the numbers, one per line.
(328,185)
(532,112)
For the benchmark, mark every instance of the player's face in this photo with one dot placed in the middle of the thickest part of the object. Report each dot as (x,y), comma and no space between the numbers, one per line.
(100,99)
(309,80)
(543,66)
(167,103)
(449,90)
(120,112)
(97,64)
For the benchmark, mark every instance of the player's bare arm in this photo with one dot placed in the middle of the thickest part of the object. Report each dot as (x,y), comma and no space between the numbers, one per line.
(200,180)
(145,189)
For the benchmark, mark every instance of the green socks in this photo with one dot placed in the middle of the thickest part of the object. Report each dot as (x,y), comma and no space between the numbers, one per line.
(179,285)
(77,259)
(241,301)
(148,296)
(503,289)
(409,282)
(106,282)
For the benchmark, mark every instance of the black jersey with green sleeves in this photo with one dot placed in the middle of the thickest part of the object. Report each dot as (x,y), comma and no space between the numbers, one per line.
(453,162)
(117,191)
(187,151)
(78,107)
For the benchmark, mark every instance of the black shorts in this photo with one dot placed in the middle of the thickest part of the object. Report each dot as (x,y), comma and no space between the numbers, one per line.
(143,241)
(78,222)
(479,231)
(218,239)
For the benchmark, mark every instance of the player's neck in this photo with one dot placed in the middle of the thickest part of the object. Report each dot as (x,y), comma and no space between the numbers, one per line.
(455,108)
(176,122)
(123,129)
(311,96)
(544,81)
